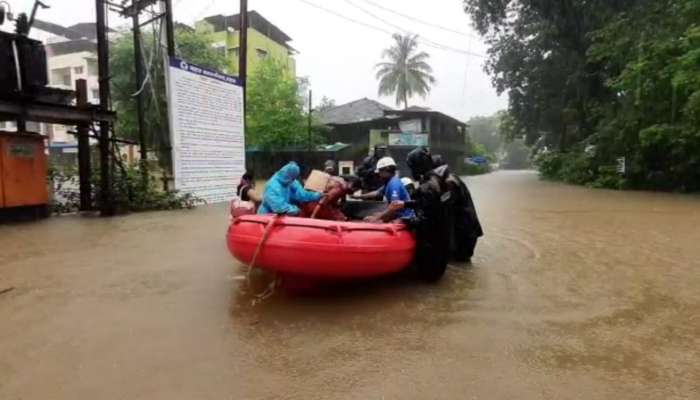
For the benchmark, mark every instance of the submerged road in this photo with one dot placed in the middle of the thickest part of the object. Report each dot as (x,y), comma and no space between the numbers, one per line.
(573,294)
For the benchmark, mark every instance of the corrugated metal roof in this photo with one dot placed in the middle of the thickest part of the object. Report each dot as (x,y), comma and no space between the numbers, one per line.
(356,111)
(319,148)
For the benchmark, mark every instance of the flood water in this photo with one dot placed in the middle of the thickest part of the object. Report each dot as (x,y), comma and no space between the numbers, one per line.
(573,294)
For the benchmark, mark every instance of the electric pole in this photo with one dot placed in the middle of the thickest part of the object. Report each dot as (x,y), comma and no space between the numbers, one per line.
(310,111)
(106,206)
(140,84)
(169,29)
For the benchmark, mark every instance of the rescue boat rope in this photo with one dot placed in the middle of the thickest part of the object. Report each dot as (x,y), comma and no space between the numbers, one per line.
(270,290)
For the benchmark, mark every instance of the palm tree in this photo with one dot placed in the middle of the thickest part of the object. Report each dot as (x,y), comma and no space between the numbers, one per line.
(405,71)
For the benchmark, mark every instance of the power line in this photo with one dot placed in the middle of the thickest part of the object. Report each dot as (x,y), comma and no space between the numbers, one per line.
(385,31)
(420,21)
(424,40)
(345,17)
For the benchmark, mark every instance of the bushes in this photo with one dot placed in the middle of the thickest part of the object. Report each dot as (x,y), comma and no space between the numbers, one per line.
(578,167)
(130,193)
(471,169)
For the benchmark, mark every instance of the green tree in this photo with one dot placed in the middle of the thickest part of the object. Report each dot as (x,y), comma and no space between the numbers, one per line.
(406,71)
(484,130)
(275,116)
(651,62)
(191,46)
(325,104)
(594,80)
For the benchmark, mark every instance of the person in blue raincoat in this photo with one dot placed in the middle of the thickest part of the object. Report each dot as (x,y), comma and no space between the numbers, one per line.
(283,193)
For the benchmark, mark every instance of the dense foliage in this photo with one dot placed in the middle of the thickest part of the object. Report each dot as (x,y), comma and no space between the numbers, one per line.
(275,109)
(592,81)
(405,71)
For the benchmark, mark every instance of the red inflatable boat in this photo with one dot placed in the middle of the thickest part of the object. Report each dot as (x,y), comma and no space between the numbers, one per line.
(319,249)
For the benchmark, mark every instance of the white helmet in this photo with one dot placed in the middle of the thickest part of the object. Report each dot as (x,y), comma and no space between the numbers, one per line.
(385,162)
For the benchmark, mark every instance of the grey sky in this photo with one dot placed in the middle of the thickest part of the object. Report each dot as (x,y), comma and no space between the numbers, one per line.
(338,55)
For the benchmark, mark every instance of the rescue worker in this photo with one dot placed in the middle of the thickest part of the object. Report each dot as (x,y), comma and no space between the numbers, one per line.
(329,167)
(283,193)
(431,225)
(330,207)
(395,193)
(466,228)
(367,169)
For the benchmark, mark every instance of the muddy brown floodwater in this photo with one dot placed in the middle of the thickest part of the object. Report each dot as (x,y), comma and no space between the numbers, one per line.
(574,294)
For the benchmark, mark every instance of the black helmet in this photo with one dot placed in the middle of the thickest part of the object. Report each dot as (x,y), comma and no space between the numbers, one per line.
(380,151)
(438,161)
(419,161)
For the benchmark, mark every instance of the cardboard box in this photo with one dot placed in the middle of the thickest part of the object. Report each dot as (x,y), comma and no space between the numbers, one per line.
(317,181)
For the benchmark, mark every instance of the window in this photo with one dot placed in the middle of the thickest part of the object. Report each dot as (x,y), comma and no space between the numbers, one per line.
(8,126)
(235,51)
(261,53)
(220,47)
(61,77)
(96,94)
(78,70)
(92,67)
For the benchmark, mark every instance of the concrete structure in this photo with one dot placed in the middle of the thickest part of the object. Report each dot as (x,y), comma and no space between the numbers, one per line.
(264,40)
(67,62)
(71,54)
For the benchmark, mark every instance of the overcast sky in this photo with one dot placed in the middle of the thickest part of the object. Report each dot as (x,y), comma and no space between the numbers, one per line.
(338,55)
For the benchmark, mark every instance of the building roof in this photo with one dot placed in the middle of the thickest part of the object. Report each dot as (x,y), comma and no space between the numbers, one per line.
(71,46)
(356,111)
(255,21)
(328,148)
(86,30)
(365,109)
(418,112)
(56,29)
(417,108)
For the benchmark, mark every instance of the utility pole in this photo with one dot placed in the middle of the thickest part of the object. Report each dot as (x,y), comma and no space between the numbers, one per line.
(84,169)
(243,50)
(310,111)
(106,205)
(169,29)
(138,66)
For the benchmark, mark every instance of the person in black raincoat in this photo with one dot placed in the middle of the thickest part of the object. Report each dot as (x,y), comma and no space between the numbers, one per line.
(366,171)
(466,228)
(431,224)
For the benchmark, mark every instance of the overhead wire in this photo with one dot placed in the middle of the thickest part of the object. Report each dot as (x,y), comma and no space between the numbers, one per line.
(420,21)
(149,60)
(345,17)
(426,42)
(422,39)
